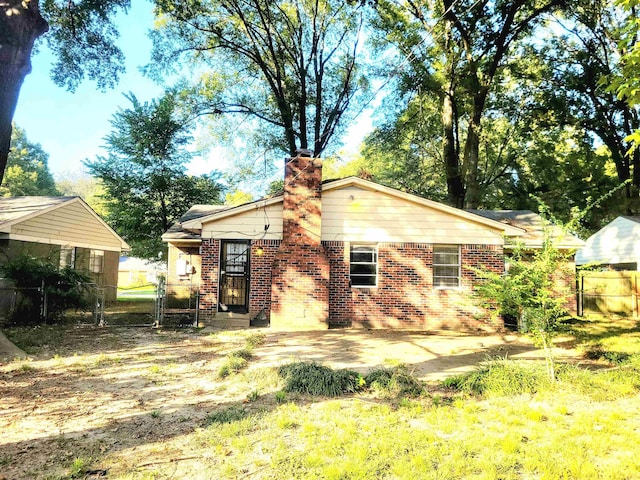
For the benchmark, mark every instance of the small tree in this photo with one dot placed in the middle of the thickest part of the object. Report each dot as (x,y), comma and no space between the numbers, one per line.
(532,291)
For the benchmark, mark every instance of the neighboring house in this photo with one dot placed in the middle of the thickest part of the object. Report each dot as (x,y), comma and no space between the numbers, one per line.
(343,253)
(64,230)
(616,245)
(136,272)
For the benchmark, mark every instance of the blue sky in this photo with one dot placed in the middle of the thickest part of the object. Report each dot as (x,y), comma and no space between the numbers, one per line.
(70,127)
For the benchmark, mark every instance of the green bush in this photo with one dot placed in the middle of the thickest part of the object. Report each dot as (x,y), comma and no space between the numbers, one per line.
(64,288)
(396,381)
(226,415)
(313,379)
(501,377)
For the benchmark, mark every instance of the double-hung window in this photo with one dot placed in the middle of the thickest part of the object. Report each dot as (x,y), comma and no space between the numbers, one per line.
(96,261)
(446,266)
(363,261)
(67,257)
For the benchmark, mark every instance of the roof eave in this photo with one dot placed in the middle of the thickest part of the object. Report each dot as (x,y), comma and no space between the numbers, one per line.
(196,224)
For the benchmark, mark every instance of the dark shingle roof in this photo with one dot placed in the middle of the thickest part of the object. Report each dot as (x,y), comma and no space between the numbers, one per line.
(176,232)
(14,208)
(533,225)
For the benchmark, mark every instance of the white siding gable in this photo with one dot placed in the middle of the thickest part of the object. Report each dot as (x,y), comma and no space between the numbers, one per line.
(70,224)
(357,214)
(617,242)
(248,224)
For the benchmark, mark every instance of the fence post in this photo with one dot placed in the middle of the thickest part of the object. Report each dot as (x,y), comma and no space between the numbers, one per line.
(43,300)
(634,295)
(579,289)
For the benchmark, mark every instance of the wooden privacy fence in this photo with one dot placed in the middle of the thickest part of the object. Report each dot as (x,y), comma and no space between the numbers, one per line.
(608,293)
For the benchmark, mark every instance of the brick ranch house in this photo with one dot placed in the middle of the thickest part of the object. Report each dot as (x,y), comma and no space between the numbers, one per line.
(343,253)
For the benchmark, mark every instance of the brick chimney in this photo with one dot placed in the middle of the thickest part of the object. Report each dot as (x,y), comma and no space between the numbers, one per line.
(300,273)
(302,207)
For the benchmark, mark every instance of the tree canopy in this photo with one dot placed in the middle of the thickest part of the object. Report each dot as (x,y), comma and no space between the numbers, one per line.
(144,175)
(292,67)
(81,34)
(27,170)
(487,103)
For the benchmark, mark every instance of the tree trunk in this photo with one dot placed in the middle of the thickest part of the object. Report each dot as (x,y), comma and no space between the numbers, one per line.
(455,186)
(471,158)
(450,151)
(8,350)
(20,25)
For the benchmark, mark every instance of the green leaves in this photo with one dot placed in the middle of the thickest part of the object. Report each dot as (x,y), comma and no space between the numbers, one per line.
(144,175)
(27,171)
(292,67)
(83,38)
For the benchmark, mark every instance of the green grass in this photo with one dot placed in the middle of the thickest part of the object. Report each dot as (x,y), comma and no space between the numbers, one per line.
(238,360)
(620,336)
(504,420)
(502,438)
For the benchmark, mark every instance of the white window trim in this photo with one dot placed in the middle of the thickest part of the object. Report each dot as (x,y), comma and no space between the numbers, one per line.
(434,264)
(376,263)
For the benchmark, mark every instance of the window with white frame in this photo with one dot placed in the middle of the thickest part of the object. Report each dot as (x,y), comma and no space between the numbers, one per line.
(363,270)
(67,257)
(446,266)
(96,261)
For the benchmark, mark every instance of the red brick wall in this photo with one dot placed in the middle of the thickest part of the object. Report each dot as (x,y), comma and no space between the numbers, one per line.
(300,287)
(405,297)
(261,268)
(300,271)
(301,208)
(210,249)
(315,280)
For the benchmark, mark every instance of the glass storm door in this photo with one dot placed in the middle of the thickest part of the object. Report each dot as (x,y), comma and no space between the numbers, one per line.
(234,277)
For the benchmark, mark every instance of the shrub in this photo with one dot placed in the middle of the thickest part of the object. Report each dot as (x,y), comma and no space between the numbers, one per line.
(314,379)
(501,377)
(226,415)
(34,276)
(396,381)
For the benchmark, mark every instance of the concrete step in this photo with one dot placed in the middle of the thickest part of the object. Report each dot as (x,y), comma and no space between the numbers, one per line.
(230,319)
(178,317)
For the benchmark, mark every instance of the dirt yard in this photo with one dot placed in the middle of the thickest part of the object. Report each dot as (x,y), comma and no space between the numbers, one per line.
(129,396)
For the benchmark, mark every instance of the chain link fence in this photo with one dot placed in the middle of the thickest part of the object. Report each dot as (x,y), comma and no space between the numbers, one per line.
(160,305)
(38,305)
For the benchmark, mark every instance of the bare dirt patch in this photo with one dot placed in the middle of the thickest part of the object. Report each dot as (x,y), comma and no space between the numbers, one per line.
(123,400)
